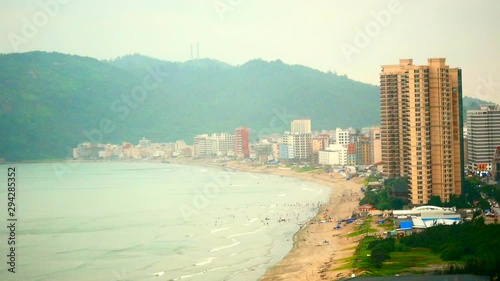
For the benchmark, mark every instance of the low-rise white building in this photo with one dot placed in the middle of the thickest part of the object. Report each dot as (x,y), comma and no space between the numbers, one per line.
(335,154)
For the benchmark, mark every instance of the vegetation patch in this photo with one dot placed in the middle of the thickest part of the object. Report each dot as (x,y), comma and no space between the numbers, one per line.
(370,178)
(387,225)
(386,257)
(383,198)
(472,247)
(467,248)
(363,229)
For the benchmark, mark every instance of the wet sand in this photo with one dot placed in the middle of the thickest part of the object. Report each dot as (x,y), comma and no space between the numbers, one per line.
(311,258)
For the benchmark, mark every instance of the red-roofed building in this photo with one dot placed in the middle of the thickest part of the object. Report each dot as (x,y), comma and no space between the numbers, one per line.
(366,208)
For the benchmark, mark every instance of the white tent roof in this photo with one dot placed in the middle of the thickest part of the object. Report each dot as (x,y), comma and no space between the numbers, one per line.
(419,223)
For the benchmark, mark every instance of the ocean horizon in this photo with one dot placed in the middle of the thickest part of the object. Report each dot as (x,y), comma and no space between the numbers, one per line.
(152,221)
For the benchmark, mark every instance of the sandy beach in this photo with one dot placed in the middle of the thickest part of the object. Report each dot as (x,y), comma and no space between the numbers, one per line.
(318,248)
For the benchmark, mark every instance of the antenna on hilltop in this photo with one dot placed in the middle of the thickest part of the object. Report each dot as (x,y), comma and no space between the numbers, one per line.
(198,50)
(191,51)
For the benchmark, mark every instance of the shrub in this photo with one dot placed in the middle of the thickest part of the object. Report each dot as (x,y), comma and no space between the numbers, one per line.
(452,252)
(401,248)
(378,256)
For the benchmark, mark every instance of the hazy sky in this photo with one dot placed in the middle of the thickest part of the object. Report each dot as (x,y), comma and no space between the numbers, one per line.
(350,37)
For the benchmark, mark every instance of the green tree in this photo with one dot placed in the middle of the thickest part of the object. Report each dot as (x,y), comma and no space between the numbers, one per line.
(470,191)
(452,252)
(383,205)
(489,190)
(478,221)
(457,201)
(397,203)
(483,204)
(435,201)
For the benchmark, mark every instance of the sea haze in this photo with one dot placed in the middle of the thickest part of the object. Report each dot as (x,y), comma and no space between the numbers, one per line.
(152,221)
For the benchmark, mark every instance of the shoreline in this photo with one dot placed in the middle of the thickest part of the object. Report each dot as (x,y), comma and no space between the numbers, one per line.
(317,248)
(310,258)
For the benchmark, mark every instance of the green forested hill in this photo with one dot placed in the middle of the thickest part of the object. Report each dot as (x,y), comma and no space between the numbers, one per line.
(472,104)
(49,102)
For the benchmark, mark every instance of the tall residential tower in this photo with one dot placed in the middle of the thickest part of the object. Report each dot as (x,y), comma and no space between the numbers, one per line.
(301,126)
(483,128)
(241,142)
(421,130)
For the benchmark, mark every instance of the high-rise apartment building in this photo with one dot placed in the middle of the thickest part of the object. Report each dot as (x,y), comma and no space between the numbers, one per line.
(204,145)
(483,137)
(351,154)
(241,140)
(215,144)
(298,142)
(363,150)
(224,143)
(342,136)
(302,147)
(421,127)
(287,147)
(296,146)
(376,146)
(302,126)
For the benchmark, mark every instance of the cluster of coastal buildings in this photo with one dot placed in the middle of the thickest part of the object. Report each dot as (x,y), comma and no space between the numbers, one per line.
(328,147)
(422,136)
(339,147)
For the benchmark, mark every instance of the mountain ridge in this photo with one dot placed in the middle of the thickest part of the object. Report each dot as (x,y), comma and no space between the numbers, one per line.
(50,102)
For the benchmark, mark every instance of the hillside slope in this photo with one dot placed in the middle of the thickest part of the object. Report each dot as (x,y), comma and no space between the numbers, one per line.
(50,102)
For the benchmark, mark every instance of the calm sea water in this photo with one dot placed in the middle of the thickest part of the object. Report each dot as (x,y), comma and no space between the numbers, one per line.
(151,221)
